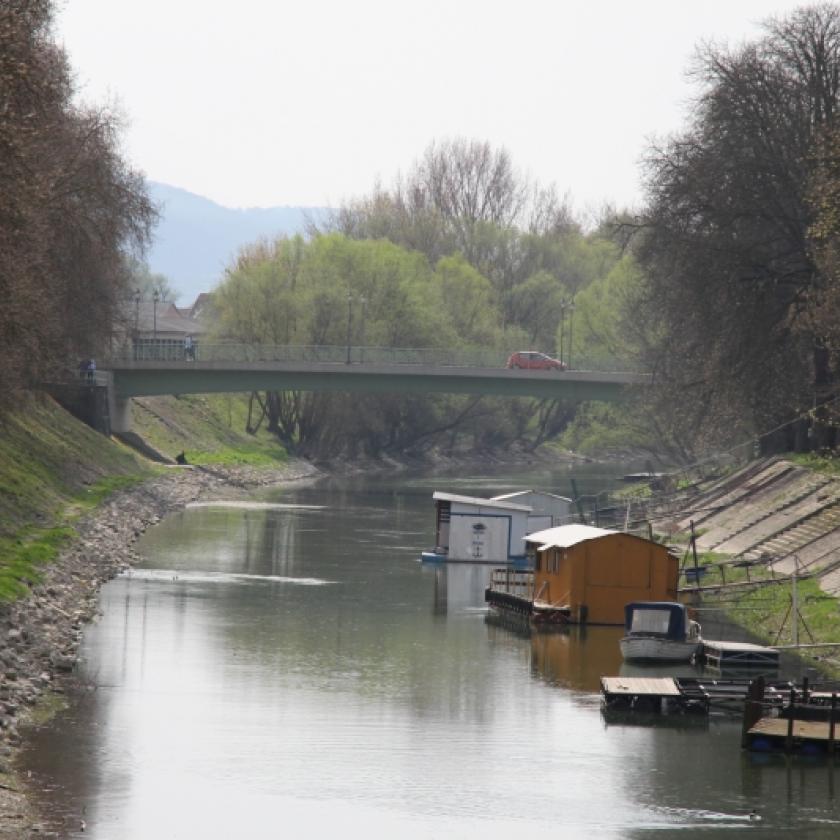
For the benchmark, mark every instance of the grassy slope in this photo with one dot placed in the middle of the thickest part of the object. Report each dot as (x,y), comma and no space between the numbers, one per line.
(766,610)
(209,429)
(53,467)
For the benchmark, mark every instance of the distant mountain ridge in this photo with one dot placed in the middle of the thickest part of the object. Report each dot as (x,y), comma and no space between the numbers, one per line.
(196,238)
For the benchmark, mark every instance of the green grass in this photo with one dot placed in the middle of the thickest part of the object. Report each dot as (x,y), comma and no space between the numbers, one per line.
(105,487)
(827,464)
(48,459)
(24,556)
(633,492)
(765,611)
(255,457)
(208,429)
(52,469)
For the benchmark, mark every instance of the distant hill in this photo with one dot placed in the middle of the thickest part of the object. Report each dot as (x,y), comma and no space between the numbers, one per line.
(196,238)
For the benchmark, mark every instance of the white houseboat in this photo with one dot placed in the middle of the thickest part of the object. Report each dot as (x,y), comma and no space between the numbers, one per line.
(471,529)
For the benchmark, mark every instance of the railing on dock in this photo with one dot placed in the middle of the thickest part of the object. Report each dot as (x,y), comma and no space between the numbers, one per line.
(516,582)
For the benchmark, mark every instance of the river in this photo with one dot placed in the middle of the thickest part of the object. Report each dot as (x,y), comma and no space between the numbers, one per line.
(285,667)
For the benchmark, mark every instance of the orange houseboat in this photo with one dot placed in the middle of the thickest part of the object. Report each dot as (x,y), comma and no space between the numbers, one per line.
(588,575)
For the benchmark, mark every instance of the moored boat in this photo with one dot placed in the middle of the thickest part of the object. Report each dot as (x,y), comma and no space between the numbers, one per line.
(659,631)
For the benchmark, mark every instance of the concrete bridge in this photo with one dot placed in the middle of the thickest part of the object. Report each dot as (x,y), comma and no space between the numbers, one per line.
(237,369)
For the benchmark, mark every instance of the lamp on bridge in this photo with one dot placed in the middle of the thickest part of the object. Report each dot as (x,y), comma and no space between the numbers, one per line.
(155,299)
(571,334)
(566,306)
(349,322)
(136,320)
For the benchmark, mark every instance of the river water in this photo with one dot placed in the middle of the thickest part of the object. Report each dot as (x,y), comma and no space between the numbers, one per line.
(287,668)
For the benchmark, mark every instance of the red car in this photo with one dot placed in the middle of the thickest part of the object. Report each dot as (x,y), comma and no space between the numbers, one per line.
(532,360)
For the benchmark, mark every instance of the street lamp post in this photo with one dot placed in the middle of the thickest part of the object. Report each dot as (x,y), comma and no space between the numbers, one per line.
(562,321)
(349,323)
(571,334)
(136,321)
(155,299)
(362,332)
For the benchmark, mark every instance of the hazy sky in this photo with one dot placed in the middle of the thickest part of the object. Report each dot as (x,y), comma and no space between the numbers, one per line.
(264,102)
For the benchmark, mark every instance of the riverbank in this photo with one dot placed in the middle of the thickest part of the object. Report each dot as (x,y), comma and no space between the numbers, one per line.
(754,528)
(40,634)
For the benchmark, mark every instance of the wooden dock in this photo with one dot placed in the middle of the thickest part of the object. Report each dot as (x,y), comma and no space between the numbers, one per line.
(806,724)
(510,595)
(780,717)
(649,694)
(689,694)
(722,655)
(791,735)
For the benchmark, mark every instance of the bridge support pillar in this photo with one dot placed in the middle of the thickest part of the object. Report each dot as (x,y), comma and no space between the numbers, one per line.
(119,408)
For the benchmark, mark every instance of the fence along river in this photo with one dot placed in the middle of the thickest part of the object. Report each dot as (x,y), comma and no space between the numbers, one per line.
(290,668)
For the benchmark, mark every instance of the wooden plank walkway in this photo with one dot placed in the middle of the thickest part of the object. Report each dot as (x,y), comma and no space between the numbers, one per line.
(685,693)
(640,686)
(777,727)
(649,695)
(792,735)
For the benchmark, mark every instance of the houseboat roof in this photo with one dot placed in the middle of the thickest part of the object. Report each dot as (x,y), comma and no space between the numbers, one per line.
(667,616)
(520,493)
(564,536)
(475,500)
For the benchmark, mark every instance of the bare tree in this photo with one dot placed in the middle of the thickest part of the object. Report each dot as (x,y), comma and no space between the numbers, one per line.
(70,209)
(725,244)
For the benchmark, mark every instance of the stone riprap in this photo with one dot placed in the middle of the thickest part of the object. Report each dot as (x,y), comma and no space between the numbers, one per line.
(40,634)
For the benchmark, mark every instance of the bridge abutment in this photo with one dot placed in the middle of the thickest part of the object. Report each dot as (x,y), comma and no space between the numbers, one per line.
(119,408)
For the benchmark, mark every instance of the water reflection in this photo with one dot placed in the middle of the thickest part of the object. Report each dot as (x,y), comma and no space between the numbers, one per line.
(298,672)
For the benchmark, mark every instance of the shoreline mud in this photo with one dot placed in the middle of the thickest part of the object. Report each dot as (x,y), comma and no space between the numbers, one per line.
(40,634)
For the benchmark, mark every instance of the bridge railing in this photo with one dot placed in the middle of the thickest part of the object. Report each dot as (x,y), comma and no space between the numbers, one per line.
(167,350)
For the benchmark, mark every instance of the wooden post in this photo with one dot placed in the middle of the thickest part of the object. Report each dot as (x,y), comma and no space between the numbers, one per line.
(795,600)
(752,708)
(694,552)
(577,501)
(831,723)
(792,707)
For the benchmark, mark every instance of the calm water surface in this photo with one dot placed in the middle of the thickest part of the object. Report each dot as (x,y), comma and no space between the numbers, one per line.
(292,670)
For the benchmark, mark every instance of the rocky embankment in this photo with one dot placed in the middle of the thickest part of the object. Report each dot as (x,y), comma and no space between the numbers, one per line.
(771,512)
(40,635)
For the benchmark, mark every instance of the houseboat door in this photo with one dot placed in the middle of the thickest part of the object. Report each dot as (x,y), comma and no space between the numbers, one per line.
(444,513)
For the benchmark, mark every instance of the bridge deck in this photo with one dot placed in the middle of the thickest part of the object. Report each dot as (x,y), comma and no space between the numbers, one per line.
(148,378)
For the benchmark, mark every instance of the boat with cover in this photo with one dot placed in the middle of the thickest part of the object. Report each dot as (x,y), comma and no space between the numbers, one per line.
(659,631)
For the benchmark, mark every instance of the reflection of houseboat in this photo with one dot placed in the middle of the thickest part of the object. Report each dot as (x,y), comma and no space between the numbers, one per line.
(589,574)
(472,529)
(659,631)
